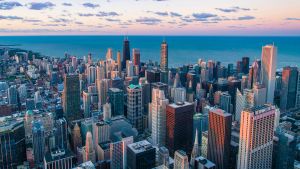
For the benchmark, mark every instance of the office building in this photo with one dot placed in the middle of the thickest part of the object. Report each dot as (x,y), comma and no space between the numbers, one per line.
(135,106)
(38,142)
(203,163)
(225,102)
(219,136)
(102,88)
(61,133)
(140,155)
(181,160)
(88,152)
(164,56)
(288,88)
(179,127)
(136,56)
(118,151)
(260,94)
(59,159)
(86,97)
(268,70)
(12,146)
(158,112)
(126,52)
(256,138)
(71,97)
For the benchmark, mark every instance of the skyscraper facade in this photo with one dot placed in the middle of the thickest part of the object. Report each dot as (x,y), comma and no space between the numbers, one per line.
(180,127)
(158,108)
(116,99)
(38,142)
(181,160)
(89,153)
(71,97)
(288,88)
(136,57)
(268,70)
(164,56)
(135,106)
(126,52)
(256,138)
(219,136)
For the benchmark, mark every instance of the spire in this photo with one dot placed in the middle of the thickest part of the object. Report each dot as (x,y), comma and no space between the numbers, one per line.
(195,151)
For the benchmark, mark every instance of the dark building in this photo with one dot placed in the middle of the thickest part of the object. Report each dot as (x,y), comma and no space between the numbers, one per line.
(179,127)
(284,149)
(61,133)
(126,52)
(219,136)
(153,75)
(288,88)
(12,144)
(140,155)
(160,86)
(59,159)
(232,86)
(71,97)
(117,83)
(245,65)
(116,99)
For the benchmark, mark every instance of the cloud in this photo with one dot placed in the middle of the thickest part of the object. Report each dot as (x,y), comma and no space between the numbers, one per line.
(2,17)
(78,23)
(9,5)
(292,19)
(174,14)
(148,21)
(102,14)
(60,20)
(86,14)
(203,16)
(161,13)
(40,5)
(32,20)
(241,18)
(90,5)
(66,4)
(232,9)
(113,20)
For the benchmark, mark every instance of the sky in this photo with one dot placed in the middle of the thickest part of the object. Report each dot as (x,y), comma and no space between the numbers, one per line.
(150,17)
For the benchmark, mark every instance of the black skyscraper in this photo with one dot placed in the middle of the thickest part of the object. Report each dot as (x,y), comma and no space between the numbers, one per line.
(245,65)
(126,52)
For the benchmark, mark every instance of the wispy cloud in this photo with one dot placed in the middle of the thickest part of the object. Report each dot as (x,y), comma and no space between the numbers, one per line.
(175,14)
(9,5)
(113,20)
(90,5)
(232,9)
(86,14)
(292,19)
(161,13)
(40,5)
(148,21)
(246,18)
(2,17)
(102,14)
(32,20)
(203,16)
(67,4)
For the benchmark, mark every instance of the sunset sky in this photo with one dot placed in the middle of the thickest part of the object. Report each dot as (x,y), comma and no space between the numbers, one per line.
(150,17)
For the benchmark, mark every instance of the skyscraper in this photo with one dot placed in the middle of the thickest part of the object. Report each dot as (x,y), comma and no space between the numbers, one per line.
(12,146)
(86,97)
(268,70)
(158,108)
(116,99)
(135,106)
(225,102)
(140,155)
(245,65)
(136,57)
(61,133)
(119,63)
(88,152)
(38,142)
(164,56)
(181,160)
(180,127)
(71,97)
(102,87)
(219,135)
(126,52)
(195,152)
(12,95)
(288,88)
(256,138)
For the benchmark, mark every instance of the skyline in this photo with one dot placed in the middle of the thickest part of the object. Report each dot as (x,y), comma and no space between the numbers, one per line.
(142,17)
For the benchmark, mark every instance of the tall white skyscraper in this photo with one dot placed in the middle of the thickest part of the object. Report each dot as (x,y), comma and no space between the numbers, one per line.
(256,138)
(158,108)
(268,70)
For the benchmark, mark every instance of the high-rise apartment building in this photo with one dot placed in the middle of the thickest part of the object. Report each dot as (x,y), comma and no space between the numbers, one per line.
(256,138)
(268,70)
(219,136)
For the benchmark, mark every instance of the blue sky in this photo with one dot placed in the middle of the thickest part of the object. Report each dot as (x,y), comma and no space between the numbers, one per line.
(150,17)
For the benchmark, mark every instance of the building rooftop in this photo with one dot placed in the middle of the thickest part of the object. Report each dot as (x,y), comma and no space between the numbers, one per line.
(180,104)
(57,154)
(205,162)
(8,123)
(140,146)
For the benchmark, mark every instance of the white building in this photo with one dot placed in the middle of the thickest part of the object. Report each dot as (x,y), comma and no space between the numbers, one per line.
(256,138)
